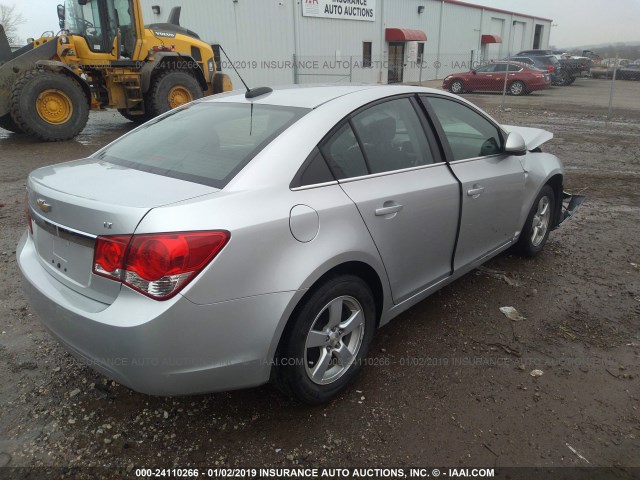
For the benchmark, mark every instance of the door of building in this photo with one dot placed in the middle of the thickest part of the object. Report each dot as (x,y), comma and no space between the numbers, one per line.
(396,62)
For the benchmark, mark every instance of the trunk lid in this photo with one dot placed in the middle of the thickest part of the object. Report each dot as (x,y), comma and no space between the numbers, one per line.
(73,203)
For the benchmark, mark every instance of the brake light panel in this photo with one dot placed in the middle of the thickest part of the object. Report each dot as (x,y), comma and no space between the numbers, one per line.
(157,265)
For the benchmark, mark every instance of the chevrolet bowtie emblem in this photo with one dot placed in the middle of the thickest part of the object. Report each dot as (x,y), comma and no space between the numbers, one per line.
(43,206)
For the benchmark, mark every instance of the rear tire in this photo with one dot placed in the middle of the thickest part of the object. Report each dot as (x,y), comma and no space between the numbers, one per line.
(171,89)
(539,222)
(326,339)
(49,106)
(518,88)
(457,87)
(7,123)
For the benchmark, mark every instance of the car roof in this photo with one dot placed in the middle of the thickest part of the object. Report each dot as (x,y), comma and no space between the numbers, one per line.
(311,96)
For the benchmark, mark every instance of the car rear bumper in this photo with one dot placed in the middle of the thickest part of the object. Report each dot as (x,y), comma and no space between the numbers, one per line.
(173,347)
(538,85)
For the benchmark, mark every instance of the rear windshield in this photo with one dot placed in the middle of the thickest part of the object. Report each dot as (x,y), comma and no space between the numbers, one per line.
(206,143)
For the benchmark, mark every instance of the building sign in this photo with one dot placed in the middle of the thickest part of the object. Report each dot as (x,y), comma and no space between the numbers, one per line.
(340,9)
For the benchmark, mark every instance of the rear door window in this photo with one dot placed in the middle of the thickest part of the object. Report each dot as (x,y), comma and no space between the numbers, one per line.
(206,143)
(392,136)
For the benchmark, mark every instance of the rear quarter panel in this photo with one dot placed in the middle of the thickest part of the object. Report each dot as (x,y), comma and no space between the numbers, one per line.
(262,255)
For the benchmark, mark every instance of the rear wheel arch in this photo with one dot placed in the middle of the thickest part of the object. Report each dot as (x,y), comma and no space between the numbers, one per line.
(353,280)
(357,268)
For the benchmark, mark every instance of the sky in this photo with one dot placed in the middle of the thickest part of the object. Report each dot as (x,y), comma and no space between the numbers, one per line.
(576,22)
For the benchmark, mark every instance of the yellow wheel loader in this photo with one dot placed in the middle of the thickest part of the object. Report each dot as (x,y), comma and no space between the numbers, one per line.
(103,57)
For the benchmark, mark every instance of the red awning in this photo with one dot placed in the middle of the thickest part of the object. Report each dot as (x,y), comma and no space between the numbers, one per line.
(490,39)
(404,35)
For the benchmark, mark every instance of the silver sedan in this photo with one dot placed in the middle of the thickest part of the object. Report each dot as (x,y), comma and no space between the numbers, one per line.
(266,236)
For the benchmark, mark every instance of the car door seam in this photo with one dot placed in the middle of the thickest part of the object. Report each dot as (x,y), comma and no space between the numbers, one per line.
(447,155)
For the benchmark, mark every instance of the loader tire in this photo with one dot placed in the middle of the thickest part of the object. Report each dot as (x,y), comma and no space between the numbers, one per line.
(137,119)
(172,89)
(48,105)
(7,123)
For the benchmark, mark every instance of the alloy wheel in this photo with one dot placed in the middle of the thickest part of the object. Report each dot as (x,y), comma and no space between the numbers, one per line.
(334,340)
(540,222)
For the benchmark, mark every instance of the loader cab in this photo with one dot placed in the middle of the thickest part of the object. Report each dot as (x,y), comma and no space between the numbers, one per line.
(98,22)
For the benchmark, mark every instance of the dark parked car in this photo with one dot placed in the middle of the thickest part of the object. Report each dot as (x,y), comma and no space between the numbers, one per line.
(629,72)
(566,68)
(536,52)
(548,62)
(521,80)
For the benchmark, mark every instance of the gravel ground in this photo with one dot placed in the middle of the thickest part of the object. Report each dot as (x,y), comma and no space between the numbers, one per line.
(450,381)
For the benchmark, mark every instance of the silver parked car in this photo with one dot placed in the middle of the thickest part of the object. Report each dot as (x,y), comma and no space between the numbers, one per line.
(247,238)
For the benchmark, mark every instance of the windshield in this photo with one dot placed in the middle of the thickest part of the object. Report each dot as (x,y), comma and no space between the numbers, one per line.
(97,21)
(82,19)
(206,143)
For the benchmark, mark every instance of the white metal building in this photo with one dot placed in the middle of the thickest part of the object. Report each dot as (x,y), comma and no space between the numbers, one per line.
(275,42)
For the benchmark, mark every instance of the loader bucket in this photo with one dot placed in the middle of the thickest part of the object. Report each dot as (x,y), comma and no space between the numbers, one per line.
(20,63)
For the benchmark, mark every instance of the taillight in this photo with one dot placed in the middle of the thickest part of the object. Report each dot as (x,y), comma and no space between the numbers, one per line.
(157,265)
(551,68)
(28,213)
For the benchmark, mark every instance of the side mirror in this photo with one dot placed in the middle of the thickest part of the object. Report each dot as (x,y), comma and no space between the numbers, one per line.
(474,72)
(61,14)
(515,144)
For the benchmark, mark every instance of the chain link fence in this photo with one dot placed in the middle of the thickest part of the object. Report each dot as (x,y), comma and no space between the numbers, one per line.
(605,86)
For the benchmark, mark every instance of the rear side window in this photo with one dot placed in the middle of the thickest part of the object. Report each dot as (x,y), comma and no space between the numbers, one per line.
(491,67)
(502,67)
(469,134)
(314,171)
(343,154)
(206,143)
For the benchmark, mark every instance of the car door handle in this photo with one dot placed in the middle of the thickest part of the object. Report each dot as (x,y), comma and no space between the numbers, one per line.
(388,210)
(473,192)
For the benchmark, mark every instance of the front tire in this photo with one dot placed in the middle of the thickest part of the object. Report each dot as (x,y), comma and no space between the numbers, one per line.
(49,106)
(536,229)
(171,89)
(328,336)
(456,87)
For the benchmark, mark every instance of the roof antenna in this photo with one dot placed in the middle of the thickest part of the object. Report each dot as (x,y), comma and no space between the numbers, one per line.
(251,93)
